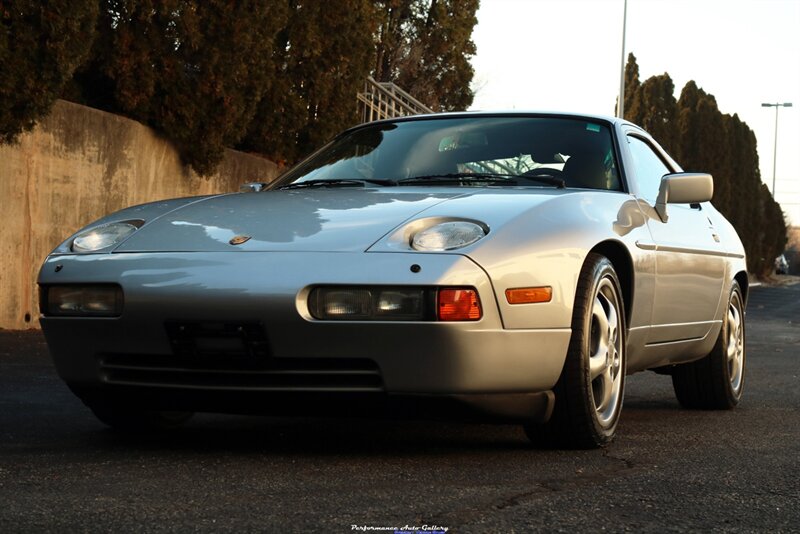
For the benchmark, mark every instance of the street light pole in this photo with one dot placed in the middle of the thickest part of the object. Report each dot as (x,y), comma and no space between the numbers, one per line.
(775,148)
(621,105)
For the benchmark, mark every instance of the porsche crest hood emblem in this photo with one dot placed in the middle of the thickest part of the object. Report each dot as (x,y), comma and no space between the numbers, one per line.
(239,239)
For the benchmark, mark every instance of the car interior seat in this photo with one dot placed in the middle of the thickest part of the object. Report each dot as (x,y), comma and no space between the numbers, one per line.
(586,171)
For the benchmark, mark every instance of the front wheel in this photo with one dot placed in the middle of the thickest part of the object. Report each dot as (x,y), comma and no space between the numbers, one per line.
(716,382)
(590,390)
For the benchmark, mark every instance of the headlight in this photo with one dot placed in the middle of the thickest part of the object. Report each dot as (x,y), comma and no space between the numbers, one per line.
(104,236)
(448,236)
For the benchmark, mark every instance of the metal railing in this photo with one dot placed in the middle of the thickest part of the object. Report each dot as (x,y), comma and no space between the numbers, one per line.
(384,100)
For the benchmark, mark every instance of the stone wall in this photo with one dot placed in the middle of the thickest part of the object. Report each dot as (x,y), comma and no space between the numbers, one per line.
(77,165)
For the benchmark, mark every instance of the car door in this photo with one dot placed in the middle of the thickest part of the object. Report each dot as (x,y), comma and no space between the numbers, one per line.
(690,260)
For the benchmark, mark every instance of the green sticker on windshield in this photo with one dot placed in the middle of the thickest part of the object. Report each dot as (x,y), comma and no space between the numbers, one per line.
(593,127)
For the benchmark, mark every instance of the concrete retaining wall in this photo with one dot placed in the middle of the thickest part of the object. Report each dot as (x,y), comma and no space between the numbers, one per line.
(77,165)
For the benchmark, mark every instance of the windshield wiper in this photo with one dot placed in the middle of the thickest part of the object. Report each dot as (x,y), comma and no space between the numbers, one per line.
(342,182)
(459,178)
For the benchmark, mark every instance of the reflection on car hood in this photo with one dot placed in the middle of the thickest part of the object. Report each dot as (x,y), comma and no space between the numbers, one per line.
(327,220)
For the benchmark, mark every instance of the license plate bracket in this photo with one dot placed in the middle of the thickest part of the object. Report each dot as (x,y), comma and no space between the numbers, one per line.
(209,339)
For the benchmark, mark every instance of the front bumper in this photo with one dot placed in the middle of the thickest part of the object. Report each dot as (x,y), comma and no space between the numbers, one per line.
(262,290)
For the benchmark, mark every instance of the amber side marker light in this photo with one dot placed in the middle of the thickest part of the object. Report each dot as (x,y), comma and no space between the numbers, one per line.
(458,304)
(529,295)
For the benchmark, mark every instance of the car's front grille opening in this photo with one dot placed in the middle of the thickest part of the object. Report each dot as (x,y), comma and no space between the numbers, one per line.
(242,372)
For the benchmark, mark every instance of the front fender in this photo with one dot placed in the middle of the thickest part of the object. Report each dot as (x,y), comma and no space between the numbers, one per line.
(548,245)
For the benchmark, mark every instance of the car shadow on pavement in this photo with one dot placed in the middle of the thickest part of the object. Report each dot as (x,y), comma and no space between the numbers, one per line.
(241,434)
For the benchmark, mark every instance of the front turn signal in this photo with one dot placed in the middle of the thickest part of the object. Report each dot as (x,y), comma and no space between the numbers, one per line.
(458,304)
(529,295)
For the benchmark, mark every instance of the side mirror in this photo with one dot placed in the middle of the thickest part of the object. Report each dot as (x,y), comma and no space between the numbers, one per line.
(683,188)
(252,187)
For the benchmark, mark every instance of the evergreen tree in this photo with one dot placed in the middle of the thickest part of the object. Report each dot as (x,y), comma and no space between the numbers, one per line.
(655,109)
(278,78)
(632,85)
(194,70)
(323,57)
(775,233)
(756,216)
(425,46)
(702,143)
(41,44)
(395,36)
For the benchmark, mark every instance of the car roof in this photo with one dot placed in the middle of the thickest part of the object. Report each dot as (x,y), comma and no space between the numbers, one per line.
(515,113)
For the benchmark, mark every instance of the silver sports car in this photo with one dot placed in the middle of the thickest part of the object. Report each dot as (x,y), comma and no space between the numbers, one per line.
(504,266)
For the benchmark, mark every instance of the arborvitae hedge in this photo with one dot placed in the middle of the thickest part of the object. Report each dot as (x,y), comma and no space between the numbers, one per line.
(41,44)
(277,77)
(194,70)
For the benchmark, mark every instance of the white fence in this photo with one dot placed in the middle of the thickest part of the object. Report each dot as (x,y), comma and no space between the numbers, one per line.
(385,100)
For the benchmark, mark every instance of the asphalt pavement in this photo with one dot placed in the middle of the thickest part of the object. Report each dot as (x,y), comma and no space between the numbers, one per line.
(669,470)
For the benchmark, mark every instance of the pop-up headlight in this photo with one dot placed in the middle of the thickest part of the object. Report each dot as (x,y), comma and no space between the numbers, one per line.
(449,235)
(105,236)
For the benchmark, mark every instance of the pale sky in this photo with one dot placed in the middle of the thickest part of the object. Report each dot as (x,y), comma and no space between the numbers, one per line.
(565,55)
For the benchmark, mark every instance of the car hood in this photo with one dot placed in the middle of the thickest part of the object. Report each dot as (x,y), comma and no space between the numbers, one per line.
(323,220)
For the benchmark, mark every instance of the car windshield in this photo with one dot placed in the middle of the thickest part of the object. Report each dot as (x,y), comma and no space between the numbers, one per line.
(481,151)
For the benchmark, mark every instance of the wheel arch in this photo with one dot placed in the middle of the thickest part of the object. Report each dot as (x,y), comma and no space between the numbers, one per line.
(621,259)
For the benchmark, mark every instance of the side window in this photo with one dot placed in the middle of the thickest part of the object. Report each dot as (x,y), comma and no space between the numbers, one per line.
(649,168)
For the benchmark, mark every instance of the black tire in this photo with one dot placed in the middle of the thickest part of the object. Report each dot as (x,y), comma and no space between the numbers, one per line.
(591,388)
(716,382)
